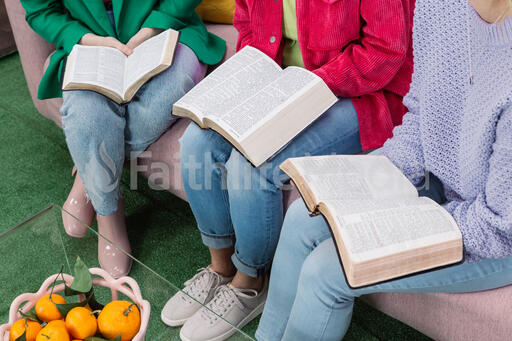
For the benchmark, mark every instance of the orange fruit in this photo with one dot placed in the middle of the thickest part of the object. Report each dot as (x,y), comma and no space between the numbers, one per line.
(81,323)
(54,331)
(119,318)
(18,328)
(46,309)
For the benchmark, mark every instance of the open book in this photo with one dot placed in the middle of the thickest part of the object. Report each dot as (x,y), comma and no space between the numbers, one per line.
(255,105)
(110,72)
(381,228)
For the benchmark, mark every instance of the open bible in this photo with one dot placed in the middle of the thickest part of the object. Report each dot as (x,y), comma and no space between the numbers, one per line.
(111,73)
(381,228)
(255,105)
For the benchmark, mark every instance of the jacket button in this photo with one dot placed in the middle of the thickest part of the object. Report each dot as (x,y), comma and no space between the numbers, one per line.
(273,39)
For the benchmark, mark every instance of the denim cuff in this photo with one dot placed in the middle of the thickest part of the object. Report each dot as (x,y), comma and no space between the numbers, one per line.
(249,270)
(218,242)
(107,204)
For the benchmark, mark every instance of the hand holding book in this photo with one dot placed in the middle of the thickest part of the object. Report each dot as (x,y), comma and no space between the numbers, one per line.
(144,34)
(107,69)
(91,39)
(381,228)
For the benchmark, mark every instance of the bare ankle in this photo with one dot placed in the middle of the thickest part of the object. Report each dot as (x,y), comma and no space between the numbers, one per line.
(226,270)
(221,261)
(243,281)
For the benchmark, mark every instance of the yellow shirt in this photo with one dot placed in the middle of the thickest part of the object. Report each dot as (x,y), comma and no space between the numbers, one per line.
(291,52)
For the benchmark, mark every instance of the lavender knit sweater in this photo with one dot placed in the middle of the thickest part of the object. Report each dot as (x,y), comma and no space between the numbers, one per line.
(462,132)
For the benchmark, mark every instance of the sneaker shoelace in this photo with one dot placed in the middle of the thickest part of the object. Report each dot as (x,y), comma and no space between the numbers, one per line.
(225,297)
(196,286)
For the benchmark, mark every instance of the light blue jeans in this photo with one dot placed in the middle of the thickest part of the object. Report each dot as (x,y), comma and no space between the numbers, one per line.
(309,298)
(100,134)
(231,200)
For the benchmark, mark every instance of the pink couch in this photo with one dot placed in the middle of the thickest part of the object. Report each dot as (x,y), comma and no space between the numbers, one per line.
(6,38)
(451,317)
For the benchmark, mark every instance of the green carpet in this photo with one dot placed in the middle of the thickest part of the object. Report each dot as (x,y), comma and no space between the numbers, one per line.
(35,168)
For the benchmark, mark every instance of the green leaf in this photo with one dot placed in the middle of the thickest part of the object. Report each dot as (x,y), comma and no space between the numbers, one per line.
(82,282)
(70,292)
(94,304)
(30,315)
(65,308)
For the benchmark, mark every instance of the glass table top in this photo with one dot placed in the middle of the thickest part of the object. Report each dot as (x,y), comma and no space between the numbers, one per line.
(37,248)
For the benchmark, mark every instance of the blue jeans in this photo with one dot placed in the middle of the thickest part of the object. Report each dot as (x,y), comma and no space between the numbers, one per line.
(100,133)
(231,200)
(309,298)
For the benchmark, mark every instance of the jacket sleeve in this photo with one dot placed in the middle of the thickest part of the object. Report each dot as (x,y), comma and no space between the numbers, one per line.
(171,14)
(486,221)
(49,19)
(242,23)
(369,64)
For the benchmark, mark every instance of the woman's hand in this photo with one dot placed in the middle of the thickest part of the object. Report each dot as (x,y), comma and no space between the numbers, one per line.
(91,39)
(144,34)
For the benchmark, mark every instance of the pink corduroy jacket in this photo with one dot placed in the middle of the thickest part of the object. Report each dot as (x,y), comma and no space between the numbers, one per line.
(362,49)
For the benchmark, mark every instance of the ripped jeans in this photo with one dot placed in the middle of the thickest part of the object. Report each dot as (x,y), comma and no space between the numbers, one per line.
(100,134)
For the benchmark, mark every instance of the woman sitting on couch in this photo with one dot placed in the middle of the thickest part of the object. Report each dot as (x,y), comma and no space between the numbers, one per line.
(100,133)
(459,128)
(362,50)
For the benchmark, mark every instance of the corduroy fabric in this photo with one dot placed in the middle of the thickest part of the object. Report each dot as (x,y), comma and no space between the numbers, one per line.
(361,48)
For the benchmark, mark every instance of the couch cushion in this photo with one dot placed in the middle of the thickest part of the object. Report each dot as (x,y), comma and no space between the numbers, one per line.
(480,316)
(33,51)
(217,11)
(161,161)
(228,33)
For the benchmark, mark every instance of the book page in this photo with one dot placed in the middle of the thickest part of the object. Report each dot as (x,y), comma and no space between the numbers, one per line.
(376,228)
(231,84)
(99,65)
(145,58)
(247,117)
(353,177)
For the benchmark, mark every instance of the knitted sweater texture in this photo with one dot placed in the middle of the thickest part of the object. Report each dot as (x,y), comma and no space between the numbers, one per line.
(461,130)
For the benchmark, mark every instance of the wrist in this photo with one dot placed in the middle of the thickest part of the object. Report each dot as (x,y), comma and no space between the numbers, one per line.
(87,39)
(153,30)
(84,38)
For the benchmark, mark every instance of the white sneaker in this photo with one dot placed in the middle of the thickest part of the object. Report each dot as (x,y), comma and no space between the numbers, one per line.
(201,287)
(236,306)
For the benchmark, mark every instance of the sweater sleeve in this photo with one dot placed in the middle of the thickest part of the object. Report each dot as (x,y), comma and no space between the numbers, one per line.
(49,19)
(242,23)
(369,64)
(486,221)
(404,149)
(171,14)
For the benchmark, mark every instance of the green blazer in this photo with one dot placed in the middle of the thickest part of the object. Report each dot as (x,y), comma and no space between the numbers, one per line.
(64,22)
